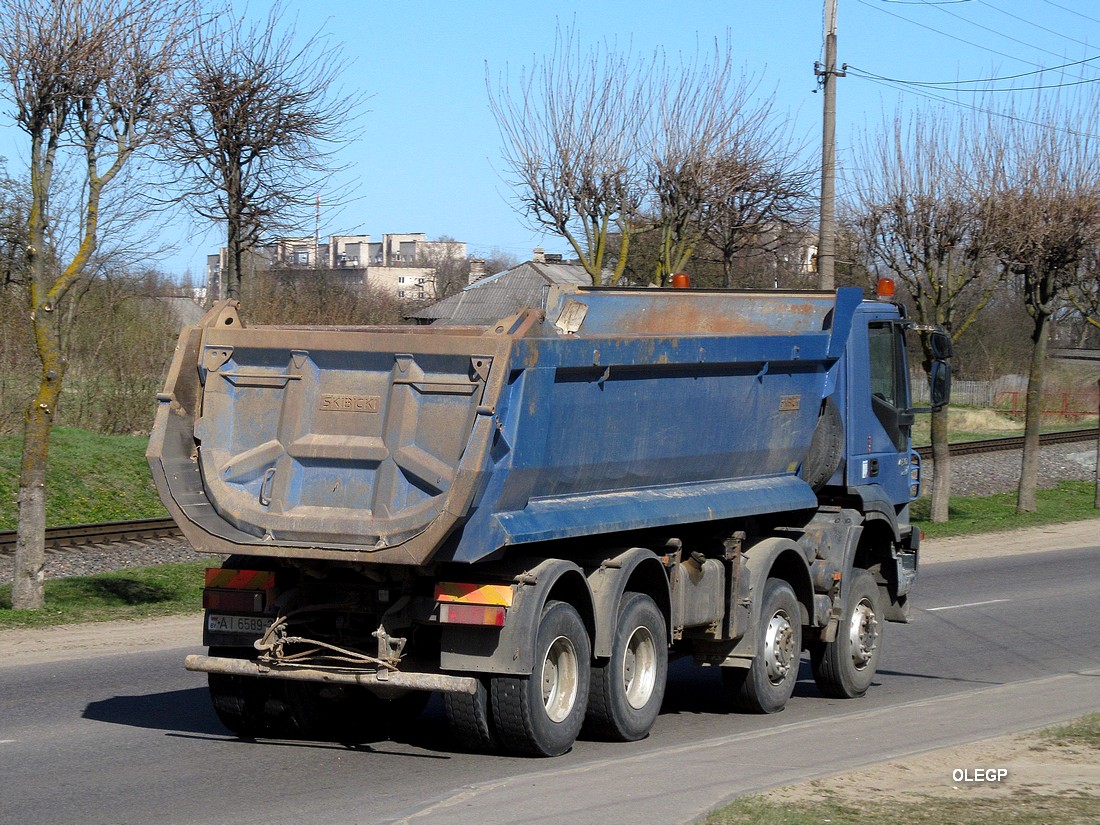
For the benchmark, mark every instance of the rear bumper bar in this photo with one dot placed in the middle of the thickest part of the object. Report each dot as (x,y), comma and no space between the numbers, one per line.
(376,679)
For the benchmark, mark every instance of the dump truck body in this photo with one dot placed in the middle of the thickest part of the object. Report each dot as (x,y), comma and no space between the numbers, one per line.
(338,441)
(432,498)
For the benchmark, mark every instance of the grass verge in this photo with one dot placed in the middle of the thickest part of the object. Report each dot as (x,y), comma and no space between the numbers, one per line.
(1083,732)
(977,424)
(1069,501)
(927,810)
(90,478)
(136,593)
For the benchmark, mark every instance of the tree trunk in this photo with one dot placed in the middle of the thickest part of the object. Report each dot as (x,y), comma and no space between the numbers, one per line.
(1096,501)
(232,280)
(30,544)
(235,231)
(941,466)
(1033,416)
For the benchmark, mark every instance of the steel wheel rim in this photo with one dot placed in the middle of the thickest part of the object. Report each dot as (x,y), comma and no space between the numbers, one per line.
(779,652)
(560,676)
(639,667)
(863,634)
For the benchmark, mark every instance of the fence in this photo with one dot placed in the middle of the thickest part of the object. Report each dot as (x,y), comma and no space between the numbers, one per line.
(1007,395)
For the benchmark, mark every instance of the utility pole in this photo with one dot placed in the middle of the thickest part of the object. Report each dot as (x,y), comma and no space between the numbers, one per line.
(826,244)
(317,235)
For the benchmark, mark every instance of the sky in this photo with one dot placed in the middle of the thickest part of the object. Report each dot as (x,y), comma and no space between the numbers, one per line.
(427,155)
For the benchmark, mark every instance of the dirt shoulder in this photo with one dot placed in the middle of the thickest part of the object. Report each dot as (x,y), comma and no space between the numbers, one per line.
(32,646)
(1017,776)
(50,644)
(1030,540)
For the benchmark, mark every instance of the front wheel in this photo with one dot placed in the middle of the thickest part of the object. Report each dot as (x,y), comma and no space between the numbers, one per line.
(541,714)
(769,682)
(844,668)
(628,688)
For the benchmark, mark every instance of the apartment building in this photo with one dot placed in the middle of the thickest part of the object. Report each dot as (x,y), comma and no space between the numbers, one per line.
(402,263)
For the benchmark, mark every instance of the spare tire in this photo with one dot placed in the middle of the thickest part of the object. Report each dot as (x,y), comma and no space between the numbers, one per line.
(826,447)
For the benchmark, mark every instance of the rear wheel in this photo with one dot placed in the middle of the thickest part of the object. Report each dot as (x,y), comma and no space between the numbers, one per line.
(628,688)
(845,667)
(351,714)
(250,707)
(470,718)
(768,683)
(541,714)
(270,708)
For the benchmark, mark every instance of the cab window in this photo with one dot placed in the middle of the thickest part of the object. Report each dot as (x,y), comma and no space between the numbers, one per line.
(887,368)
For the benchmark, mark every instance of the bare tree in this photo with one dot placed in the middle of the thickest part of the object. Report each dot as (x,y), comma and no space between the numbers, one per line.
(721,167)
(758,204)
(497,260)
(87,81)
(1043,216)
(450,268)
(606,148)
(569,132)
(289,295)
(918,219)
(256,138)
(1084,293)
(13,231)
(698,122)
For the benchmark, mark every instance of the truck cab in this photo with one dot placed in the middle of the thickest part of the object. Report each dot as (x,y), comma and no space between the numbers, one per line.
(879,413)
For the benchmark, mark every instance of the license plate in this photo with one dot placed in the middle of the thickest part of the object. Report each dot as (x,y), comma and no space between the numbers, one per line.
(255,625)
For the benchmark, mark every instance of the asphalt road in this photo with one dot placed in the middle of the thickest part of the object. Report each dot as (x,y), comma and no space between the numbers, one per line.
(997,645)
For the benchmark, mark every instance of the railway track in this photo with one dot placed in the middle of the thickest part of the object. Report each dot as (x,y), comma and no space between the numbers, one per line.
(996,445)
(105,532)
(74,535)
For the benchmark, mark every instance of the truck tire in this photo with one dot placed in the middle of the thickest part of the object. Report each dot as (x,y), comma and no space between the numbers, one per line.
(627,690)
(250,708)
(826,447)
(541,714)
(768,683)
(470,719)
(844,668)
(350,714)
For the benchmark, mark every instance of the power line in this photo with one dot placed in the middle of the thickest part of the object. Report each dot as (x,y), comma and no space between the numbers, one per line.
(997,33)
(952,36)
(1036,25)
(937,86)
(1071,11)
(982,109)
(987,79)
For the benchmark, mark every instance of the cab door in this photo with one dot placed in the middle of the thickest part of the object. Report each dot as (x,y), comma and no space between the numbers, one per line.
(879,416)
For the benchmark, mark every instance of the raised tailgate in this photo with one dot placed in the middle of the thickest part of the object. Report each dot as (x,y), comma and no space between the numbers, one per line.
(334,436)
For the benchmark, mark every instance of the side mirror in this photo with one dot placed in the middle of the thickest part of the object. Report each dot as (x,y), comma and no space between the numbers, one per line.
(940,344)
(940,382)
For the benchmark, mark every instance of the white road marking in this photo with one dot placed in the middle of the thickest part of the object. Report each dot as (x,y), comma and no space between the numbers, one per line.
(968,604)
(7,741)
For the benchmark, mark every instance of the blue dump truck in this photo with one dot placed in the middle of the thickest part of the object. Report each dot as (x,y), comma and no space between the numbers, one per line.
(532,517)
